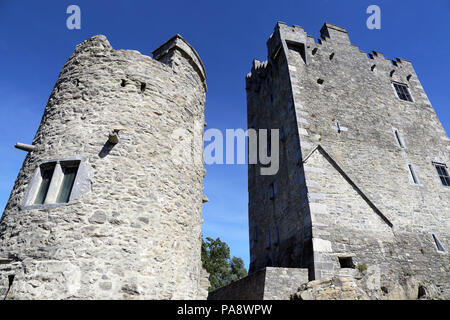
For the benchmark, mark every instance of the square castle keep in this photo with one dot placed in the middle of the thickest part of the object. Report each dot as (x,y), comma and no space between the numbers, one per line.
(363,182)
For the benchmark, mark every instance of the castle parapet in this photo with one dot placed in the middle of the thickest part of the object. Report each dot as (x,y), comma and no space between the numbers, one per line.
(178,43)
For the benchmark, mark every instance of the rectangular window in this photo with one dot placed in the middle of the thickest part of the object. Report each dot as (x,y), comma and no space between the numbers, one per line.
(53,183)
(69,174)
(46,175)
(402,91)
(413,174)
(443,173)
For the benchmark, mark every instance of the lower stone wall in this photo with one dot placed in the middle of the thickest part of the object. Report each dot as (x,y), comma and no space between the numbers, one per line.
(281,282)
(270,283)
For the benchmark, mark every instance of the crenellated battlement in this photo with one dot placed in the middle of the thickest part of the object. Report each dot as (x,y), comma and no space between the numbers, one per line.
(163,54)
(333,37)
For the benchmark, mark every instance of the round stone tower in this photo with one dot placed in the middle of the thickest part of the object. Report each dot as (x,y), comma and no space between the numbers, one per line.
(103,207)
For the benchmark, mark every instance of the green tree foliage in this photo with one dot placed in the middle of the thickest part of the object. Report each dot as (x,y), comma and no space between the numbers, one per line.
(216,260)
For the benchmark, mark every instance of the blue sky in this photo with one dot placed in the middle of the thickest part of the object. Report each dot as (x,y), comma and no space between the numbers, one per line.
(228,35)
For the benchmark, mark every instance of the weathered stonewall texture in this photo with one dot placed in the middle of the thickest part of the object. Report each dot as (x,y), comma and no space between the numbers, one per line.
(132,230)
(266,284)
(364,286)
(344,189)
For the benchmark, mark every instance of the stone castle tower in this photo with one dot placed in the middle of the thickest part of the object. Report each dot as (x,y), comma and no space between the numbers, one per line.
(363,179)
(100,208)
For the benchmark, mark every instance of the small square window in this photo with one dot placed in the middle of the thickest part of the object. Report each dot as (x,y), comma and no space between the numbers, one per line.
(402,91)
(443,173)
(346,262)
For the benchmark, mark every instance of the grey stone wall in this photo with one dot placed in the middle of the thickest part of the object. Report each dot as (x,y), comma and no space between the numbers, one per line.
(136,231)
(351,194)
(265,284)
(280,282)
(248,288)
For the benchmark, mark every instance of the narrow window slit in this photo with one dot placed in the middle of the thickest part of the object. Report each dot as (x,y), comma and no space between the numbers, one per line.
(123,83)
(332,56)
(10,283)
(439,246)
(399,139)
(272,190)
(413,174)
(11,279)
(143,86)
(268,239)
(277,235)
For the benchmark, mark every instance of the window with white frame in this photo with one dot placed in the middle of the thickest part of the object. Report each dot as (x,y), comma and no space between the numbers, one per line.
(54,183)
(442,173)
(402,91)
